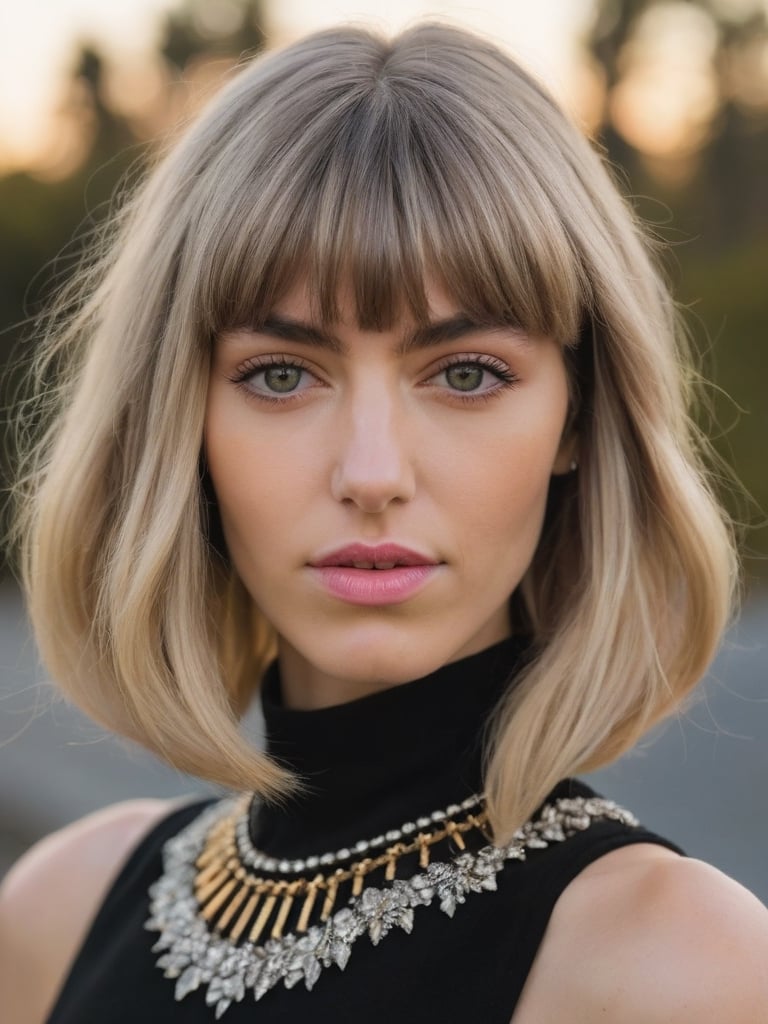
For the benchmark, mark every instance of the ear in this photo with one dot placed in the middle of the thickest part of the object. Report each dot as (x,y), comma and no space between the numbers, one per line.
(567,458)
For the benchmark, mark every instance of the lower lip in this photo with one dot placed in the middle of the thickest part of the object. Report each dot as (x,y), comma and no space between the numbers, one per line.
(374,586)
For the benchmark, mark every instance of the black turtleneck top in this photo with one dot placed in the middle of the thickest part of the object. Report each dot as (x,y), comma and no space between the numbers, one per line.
(375,762)
(369,765)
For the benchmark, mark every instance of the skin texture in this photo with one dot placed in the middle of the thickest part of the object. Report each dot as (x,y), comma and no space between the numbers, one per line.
(376,445)
(643,936)
(49,898)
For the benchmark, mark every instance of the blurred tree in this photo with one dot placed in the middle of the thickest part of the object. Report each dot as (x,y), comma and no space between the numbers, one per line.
(730,155)
(715,183)
(46,219)
(228,28)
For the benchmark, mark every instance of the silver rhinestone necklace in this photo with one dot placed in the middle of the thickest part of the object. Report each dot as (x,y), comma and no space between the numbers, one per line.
(198,951)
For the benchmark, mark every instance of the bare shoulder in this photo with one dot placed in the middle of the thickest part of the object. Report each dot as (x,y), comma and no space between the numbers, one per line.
(644,936)
(50,896)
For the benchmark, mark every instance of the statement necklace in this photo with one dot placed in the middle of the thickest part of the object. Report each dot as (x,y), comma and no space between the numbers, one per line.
(231,929)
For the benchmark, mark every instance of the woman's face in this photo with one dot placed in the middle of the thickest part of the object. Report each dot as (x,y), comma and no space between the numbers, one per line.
(382,494)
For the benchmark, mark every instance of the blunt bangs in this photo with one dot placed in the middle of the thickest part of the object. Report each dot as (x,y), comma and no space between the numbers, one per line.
(379,176)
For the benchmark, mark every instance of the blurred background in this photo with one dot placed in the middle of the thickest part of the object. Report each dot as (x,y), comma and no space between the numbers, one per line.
(674,92)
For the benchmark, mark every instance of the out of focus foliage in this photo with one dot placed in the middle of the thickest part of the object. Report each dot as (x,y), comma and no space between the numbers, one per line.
(683,90)
(678,97)
(49,215)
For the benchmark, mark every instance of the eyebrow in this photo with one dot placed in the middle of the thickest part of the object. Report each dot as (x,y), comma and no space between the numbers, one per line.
(448,329)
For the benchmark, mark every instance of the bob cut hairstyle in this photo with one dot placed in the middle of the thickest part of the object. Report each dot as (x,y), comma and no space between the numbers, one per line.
(351,159)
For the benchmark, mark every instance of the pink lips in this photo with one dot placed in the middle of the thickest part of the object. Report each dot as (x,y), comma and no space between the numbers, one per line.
(371,575)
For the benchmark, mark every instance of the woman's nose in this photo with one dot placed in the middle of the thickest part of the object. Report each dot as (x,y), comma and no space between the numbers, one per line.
(374,465)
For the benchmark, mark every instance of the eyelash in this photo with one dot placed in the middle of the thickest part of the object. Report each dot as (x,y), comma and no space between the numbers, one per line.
(506,377)
(251,367)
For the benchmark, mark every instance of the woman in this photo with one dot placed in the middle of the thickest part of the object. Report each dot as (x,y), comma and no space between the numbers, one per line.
(376,376)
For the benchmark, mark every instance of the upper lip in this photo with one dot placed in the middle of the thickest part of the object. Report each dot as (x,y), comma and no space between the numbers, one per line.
(376,555)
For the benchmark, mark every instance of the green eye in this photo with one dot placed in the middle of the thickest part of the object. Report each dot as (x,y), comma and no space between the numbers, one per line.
(464,376)
(282,378)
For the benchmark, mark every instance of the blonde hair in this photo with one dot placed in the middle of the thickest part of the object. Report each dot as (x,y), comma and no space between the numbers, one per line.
(348,157)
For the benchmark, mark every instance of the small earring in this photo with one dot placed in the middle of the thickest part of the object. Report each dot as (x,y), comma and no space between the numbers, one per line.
(574,465)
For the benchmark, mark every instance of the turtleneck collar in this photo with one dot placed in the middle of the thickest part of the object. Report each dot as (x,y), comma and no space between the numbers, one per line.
(372,763)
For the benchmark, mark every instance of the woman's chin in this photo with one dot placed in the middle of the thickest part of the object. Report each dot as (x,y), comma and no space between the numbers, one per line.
(357,662)
(332,673)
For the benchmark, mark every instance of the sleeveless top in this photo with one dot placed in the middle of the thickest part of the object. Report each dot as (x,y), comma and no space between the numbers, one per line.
(442,926)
